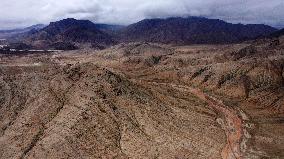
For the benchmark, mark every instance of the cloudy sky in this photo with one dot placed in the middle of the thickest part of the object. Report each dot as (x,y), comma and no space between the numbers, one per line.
(20,13)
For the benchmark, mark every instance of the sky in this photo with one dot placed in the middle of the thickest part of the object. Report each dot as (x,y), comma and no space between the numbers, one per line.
(21,13)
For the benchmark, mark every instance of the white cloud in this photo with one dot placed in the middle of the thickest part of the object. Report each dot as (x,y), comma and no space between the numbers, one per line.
(19,13)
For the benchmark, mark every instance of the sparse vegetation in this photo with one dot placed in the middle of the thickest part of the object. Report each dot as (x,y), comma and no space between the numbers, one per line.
(198,72)
(139,100)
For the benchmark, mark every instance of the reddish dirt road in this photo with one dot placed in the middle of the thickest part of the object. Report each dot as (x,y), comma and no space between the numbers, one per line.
(232,123)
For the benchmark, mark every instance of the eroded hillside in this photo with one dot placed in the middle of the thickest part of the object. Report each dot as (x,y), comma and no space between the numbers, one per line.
(144,100)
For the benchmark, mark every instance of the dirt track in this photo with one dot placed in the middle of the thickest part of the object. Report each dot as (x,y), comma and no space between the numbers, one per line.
(232,124)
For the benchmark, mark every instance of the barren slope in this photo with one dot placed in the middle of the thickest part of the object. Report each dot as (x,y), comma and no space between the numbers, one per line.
(85,111)
(144,100)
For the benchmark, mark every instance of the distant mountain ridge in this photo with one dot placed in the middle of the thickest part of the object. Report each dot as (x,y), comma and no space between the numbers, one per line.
(109,27)
(37,26)
(192,30)
(13,33)
(176,30)
(278,33)
(70,30)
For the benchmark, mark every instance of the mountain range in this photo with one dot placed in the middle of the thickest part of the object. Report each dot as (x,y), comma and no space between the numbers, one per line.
(178,31)
(277,33)
(14,33)
(193,30)
(69,30)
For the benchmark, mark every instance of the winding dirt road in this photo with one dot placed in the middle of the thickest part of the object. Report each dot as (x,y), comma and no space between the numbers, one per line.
(232,123)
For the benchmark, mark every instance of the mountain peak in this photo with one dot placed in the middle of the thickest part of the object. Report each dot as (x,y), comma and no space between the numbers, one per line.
(71,22)
(192,30)
(70,30)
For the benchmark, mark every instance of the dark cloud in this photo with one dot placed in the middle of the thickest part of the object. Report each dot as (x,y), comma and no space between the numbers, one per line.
(15,13)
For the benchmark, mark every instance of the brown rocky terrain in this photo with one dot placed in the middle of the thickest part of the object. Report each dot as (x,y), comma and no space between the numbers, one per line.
(144,100)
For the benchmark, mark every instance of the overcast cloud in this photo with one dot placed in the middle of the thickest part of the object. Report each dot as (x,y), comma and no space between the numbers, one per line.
(20,13)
